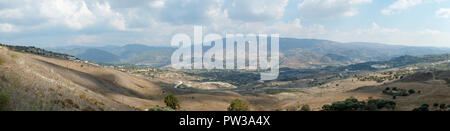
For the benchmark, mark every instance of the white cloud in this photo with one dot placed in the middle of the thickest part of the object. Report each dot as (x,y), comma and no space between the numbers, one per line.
(256,10)
(157,3)
(400,5)
(11,13)
(443,13)
(78,15)
(74,14)
(330,8)
(105,13)
(7,28)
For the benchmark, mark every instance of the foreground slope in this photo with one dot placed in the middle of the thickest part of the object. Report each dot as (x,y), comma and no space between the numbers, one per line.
(39,83)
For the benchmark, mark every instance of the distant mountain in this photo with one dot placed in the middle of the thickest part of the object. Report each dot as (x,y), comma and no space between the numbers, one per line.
(299,53)
(395,62)
(128,54)
(98,56)
(294,53)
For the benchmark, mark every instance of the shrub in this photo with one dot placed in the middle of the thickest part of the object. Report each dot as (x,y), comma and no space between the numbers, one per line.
(435,105)
(411,91)
(172,102)
(443,106)
(352,104)
(4,100)
(305,108)
(238,105)
(88,109)
(394,89)
(424,107)
(382,104)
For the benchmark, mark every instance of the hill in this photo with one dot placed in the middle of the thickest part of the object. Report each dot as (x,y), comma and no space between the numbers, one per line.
(39,82)
(294,53)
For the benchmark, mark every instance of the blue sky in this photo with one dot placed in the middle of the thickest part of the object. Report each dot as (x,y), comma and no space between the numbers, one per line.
(49,23)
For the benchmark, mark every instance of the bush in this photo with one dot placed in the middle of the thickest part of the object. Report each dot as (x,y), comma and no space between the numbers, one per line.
(435,105)
(411,91)
(352,104)
(424,107)
(394,89)
(305,108)
(443,106)
(380,104)
(238,105)
(172,102)
(4,100)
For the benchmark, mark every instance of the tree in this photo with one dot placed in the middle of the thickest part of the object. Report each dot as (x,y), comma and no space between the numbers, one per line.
(172,102)
(411,91)
(435,105)
(305,108)
(238,105)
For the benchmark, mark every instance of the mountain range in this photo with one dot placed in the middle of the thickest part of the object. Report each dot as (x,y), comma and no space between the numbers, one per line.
(294,53)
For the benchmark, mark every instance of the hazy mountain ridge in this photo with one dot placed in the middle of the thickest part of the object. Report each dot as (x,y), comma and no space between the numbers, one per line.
(294,53)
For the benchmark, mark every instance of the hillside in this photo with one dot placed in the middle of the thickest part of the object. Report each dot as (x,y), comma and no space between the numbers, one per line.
(395,62)
(34,82)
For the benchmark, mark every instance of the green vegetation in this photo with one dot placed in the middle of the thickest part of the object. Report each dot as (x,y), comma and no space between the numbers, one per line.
(238,105)
(424,107)
(435,105)
(398,92)
(352,104)
(4,100)
(443,106)
(172,102)
(411,91)
(305,108)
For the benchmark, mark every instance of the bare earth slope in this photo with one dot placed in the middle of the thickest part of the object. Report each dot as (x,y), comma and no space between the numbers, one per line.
(39,83)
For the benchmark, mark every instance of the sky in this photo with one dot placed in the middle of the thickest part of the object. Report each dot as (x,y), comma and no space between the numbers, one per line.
(53,23)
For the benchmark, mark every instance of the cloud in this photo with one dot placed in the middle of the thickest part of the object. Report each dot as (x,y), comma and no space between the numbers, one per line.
(74,14)
(11,13)
(186,11)
(330,8)
(443,13)
(256,10)
(400,5)
(7,28)
(78,15)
